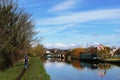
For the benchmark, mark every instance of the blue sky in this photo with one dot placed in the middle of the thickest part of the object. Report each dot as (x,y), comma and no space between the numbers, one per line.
(73,23)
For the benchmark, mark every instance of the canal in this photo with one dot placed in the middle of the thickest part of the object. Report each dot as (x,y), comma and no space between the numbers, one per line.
(77,70)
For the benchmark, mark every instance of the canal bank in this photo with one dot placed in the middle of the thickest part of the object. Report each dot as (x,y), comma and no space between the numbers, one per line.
(95,58)
(35,71)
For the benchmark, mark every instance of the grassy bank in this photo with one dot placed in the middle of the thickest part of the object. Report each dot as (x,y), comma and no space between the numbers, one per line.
(35,71)
(12,73)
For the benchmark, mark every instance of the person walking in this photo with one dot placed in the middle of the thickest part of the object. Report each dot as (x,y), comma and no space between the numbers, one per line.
(26,59)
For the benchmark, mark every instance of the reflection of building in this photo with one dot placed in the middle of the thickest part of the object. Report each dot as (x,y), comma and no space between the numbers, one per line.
(101,72)
(88,65)
(103,69)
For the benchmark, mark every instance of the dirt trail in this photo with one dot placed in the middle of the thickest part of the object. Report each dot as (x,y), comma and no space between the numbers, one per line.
(21,74)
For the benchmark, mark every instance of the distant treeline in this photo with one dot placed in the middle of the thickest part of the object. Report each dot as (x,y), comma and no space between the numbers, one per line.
(104,52)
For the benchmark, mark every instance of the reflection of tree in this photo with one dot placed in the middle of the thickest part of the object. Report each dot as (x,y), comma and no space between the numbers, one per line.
(102,69)
(68,61)
(104,66)
(43,60)
(76,64)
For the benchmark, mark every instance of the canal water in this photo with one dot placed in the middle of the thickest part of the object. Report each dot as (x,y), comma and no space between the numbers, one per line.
(77,70)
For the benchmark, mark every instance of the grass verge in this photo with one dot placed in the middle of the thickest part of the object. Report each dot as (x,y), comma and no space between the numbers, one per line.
(11,73)
(35,71)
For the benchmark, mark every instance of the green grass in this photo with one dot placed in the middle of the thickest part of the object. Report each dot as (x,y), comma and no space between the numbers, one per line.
(11,73)
(35,71)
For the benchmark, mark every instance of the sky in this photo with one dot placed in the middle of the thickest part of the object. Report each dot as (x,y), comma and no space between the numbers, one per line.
(75,23)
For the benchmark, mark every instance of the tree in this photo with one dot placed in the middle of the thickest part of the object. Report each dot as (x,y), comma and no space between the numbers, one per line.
(38,50)
(91,49)
(16,31)
(104,53)
(77,51)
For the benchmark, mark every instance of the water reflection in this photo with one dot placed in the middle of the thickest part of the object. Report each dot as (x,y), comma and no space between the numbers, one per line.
(60,69)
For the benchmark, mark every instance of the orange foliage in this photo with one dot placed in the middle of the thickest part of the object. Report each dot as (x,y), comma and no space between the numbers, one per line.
(92,49)
(77,51)
(77,64)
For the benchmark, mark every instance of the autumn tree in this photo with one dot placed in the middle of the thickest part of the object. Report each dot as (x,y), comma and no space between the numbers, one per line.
(104,53)
(38,50)
(16,31)
(77,51)
(91,49)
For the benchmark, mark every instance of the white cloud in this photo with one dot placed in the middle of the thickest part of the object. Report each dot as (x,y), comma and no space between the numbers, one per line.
(59,64)
(67,4)
(48,45)
(59,45)
(82,17)
(54,30)
(85,41)
(56,45)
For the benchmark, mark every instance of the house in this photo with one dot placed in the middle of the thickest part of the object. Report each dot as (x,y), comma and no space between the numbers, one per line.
(112,51)
(117,52)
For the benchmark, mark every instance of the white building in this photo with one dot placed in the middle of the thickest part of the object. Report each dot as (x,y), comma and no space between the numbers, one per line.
(47,52)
